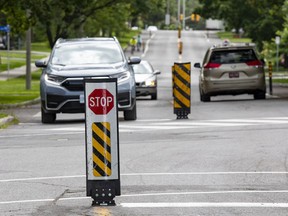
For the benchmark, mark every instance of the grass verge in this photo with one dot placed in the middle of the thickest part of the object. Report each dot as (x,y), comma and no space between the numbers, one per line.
(233,38)
(14,91)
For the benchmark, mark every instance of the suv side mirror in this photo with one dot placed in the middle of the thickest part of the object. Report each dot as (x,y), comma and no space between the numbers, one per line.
(40,64)
(157,72)
(197,65)
(134,60)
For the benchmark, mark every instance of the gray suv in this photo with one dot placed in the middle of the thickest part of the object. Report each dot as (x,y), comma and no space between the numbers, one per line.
(73,60)
(231,70)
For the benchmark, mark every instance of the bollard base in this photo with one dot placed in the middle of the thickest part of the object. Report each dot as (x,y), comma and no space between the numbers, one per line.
(182,115)
(103,194)
(103,197)
(103,203)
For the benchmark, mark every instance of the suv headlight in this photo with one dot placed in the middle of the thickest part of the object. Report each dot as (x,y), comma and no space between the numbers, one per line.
(54,79)
(122,76)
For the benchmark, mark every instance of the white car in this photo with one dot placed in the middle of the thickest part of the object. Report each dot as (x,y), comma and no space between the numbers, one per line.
(152,28)
(146,79)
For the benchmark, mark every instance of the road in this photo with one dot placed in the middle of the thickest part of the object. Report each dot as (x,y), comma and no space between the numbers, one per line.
(228,158)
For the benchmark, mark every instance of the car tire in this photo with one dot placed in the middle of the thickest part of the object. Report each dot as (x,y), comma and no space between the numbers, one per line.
(47,117)
(130,115)
(260,95)
(154,96)
(204,97)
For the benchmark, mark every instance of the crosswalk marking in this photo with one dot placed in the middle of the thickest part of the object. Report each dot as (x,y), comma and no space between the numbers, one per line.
(166,124)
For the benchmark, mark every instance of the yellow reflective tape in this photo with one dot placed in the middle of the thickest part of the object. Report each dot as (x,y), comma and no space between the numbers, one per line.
(106,125)
(176,105)
(100,164)
(187,66)
(102,150)
(184,75)
(181,98)
(95,173)
(101,134)
(173,74)
(182,86)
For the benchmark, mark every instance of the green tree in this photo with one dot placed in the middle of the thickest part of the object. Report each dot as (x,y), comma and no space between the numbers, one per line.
(58,18)
(259,19)
(269,48)
(110,21)
(267,18)
(150,12)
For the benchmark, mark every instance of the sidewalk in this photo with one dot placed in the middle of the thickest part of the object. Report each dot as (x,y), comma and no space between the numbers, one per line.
(16,72)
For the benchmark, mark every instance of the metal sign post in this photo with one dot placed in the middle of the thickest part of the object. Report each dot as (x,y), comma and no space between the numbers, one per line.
(7,30)
(102,142)
(277,41)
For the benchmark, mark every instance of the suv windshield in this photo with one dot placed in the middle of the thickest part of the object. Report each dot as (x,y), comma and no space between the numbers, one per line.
(233,56)
(92,53)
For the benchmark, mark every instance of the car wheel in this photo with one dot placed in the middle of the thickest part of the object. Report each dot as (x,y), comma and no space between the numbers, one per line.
(154,96)
(260,95)
(47,117)
(204,97)
(130,114)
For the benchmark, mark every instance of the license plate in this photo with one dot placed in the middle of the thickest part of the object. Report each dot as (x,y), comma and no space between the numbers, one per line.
(81,97)
(234,74)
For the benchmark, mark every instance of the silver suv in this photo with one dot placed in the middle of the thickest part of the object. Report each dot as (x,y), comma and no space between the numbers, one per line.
(231,70)
(62,79)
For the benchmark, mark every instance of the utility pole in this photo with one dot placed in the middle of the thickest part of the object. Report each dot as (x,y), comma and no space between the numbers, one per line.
(167,16)
(28,55)
(28,59)
(183,12)
(179,3)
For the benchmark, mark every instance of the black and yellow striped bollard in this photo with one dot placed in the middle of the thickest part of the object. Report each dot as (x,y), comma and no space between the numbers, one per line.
(182,89)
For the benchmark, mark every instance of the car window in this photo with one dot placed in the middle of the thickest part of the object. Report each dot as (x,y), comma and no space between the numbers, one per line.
(233,56)
(142,69)
(92,53)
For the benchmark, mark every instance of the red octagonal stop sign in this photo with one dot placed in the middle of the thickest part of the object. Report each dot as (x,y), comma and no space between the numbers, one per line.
(101,101)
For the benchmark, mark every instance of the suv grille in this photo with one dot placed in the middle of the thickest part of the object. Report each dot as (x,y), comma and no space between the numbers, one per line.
(53,101)
(74,85)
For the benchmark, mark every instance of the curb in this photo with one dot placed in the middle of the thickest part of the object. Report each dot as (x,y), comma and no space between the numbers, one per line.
(31,102)
(9,118)
(6,120)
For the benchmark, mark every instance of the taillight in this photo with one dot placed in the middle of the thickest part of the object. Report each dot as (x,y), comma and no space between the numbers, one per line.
(254,63)
(211,65)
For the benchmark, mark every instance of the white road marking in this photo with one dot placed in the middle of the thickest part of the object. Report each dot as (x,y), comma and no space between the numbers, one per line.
(150,174)
(156,124)
(204,192)
(176,205)
(131,205)
(205,204)
(40,134)
(170,124)
(208,173)
(41,178)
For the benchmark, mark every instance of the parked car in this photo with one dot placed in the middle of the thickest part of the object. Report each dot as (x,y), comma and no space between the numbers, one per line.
(146,79)
(72,60)
(231,70)
(152,28)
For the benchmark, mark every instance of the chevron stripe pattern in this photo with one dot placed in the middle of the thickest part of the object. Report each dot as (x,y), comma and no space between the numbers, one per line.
(101,149)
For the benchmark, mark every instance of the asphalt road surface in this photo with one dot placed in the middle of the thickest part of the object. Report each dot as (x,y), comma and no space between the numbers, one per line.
(228,158)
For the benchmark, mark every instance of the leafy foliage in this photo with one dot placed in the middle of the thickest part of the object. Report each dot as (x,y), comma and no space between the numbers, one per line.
(259,19)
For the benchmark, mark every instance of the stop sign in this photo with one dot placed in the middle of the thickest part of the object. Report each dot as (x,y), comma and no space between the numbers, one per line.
(101,101)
